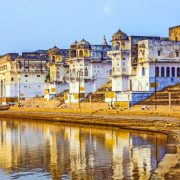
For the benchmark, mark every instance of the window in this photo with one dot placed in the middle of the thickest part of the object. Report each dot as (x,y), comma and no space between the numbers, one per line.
(159,53)
(38,75)
(58,75)
(178,72)
(26,75)
(12,79)
(177,54)
(173,72)
(86,72)
(81,54)
(143,71)
(113,69)
(117,46)
(123,46)
(124,69)
(53,58)
(2,68)
(167,72)
(162,71)
(176,38)
(157,71)
(140,52)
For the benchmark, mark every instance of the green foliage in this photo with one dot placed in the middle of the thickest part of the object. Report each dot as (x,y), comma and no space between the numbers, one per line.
(47,79)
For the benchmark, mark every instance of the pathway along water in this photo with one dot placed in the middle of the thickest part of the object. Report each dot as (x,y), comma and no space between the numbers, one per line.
(41,150)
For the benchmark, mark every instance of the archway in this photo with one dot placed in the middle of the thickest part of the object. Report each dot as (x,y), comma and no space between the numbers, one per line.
(81,54)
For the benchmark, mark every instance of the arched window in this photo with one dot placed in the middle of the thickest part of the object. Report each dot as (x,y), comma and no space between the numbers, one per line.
(57,75)
(53,58)
(81,53)
(162,71)
(178,72)
(140,52)
(143,71)
(177,53)
(86,72)
(157,71)
(167,72)
(159,53)
(173,72)
(73,53)
(117,46)
(123,47)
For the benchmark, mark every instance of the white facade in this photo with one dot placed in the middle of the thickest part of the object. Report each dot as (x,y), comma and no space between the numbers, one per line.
(133,82)
(21,78)
(89,69)
(93,75)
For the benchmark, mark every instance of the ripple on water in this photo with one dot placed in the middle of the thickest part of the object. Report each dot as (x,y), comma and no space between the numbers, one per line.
(32,150)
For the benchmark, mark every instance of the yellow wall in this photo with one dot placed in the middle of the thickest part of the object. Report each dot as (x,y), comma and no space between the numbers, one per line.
(174,33)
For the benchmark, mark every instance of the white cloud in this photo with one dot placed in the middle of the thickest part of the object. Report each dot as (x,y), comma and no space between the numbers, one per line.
(107,8)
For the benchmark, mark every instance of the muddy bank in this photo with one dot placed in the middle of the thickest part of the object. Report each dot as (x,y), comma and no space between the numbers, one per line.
(168,168)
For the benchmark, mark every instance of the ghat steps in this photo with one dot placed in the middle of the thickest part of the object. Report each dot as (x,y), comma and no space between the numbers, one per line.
(162,97)
(99,95)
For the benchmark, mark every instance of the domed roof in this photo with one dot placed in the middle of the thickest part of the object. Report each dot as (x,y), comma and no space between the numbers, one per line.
(83,44)
(74,45)
(119,35)
(54,50)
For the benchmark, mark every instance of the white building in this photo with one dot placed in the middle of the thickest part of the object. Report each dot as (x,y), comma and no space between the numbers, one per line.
(22,77)
(89,69)
(134,60)
(58,72)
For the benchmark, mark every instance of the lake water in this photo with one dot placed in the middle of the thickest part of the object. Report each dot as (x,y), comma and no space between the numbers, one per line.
(31,150)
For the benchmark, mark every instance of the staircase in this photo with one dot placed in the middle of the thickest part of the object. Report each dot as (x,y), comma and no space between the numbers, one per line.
(99,95)
(162,97)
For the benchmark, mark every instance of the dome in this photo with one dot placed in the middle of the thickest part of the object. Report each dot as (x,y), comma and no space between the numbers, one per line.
(119,35)
(54,50)
(74,45)
(83,44)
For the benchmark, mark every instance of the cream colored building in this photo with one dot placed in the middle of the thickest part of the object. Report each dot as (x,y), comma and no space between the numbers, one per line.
(135,59)
(22,76)
(89,69)
(58,72)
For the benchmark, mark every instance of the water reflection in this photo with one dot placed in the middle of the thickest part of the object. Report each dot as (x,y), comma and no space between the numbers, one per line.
(39,150)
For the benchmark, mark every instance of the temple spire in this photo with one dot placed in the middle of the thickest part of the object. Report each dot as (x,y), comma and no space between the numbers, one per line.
(104,42)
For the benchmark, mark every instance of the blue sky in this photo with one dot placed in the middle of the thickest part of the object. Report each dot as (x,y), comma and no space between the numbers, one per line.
(27,25)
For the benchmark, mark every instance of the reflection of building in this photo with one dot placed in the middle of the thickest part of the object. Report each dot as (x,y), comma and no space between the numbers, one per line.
(9,148)
(89,68)
(75,152)
(141,157)
(22,76)
(133,65)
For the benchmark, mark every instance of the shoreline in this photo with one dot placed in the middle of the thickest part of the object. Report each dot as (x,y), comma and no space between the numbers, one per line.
(158,124)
